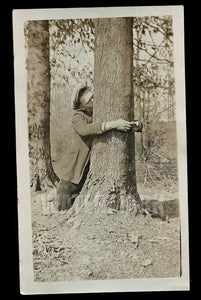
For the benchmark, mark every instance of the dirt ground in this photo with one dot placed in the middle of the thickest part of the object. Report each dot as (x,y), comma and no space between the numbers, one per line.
(113,245)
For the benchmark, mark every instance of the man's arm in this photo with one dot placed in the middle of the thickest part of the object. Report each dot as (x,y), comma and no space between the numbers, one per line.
(83,128)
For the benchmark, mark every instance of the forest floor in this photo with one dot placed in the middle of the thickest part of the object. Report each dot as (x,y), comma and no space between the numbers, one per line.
(113,245)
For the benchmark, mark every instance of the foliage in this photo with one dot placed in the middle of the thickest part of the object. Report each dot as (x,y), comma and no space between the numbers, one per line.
(154,68)
(154,90)
(71,51)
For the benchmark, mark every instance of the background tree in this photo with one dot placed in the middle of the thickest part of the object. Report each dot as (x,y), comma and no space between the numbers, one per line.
(111,181)
(154,91)
(38,105)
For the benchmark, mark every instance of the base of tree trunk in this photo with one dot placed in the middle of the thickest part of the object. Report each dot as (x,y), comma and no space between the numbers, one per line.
(43,182)
(101,196)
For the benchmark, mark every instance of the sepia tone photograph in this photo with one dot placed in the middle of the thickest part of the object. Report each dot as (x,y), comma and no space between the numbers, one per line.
(101,149)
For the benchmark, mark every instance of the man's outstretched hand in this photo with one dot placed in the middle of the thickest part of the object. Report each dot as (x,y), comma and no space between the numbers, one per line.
(123,125)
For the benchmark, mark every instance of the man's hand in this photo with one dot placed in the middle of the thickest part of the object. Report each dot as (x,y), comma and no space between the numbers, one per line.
(123,125)
(119,124)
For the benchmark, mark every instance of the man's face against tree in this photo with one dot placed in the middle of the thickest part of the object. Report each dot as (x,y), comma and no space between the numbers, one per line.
(86,100)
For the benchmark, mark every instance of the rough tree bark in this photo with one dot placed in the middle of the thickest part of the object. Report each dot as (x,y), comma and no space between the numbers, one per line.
(111,181)
(38,105)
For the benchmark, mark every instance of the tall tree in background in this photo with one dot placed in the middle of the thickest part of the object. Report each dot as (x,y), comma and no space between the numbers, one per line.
(38,104)
(153,84)
(111,181)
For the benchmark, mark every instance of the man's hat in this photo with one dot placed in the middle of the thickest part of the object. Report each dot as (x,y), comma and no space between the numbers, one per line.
(75,96)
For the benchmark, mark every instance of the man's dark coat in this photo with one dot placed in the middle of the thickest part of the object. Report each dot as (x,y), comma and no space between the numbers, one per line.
(77,155)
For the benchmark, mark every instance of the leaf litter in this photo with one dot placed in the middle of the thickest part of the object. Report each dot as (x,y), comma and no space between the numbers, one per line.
(103,246)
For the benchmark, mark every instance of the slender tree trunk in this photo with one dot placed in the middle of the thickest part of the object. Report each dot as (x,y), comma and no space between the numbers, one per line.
(111,181)
(137,99)
(38,104)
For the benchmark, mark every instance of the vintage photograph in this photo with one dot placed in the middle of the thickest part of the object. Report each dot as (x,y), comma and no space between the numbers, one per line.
(101,149)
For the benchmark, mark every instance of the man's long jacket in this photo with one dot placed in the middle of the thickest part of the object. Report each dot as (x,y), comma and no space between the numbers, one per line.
(77,155)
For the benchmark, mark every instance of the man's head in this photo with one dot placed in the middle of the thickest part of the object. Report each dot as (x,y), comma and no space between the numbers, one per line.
(82,98)
(85,99)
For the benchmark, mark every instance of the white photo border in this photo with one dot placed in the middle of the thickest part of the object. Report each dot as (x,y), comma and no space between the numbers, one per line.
(27,284)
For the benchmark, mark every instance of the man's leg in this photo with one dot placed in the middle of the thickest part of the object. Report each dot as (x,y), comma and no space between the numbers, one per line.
(66,192)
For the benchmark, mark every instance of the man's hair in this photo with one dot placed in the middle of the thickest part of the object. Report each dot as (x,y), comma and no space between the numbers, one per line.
(76,95)
(81,92)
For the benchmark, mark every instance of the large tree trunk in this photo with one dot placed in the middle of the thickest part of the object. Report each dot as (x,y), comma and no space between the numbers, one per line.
(38,104)
(111,181)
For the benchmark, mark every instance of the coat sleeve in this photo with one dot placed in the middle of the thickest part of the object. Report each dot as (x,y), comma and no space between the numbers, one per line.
(83,128)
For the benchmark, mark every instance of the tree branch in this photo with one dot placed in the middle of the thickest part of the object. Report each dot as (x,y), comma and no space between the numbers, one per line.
(159,29)
(153,55)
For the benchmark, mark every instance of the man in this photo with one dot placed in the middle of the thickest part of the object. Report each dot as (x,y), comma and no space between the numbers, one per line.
(75,163)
